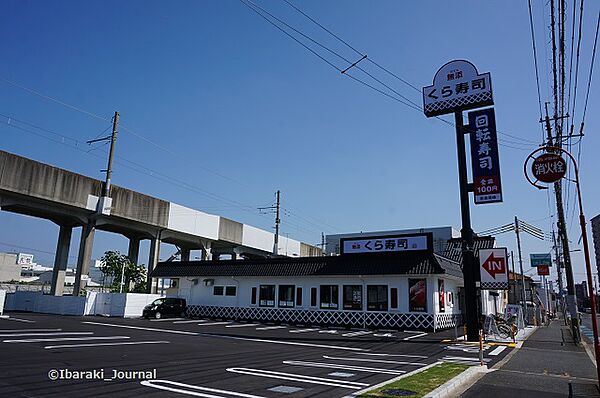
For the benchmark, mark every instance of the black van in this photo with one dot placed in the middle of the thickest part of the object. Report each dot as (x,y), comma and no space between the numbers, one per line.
(163,307)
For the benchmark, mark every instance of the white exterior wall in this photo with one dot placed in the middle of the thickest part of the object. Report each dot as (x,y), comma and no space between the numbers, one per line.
(194,222)
(257,238)
(200,294)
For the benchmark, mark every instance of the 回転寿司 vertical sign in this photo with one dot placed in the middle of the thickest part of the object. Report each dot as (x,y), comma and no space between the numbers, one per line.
(485,161)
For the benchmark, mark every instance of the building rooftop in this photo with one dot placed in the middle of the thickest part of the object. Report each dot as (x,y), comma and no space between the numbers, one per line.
(407,263)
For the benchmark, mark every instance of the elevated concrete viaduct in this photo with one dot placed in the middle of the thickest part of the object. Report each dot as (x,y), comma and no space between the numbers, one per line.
(72,200)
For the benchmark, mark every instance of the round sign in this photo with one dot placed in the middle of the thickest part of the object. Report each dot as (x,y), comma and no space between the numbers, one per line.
(549,167)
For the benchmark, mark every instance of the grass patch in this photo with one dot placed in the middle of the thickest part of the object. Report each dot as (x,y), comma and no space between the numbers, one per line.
(422,382)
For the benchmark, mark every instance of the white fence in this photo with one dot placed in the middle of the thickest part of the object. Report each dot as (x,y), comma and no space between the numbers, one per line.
(109,304)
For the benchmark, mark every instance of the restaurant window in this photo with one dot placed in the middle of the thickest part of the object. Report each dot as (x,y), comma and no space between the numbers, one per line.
(218,290)
(377,298)
(299,296)
(313,296)
(253,298)
(231,290)
(352,297)
(266,297)
(286,296)
(329,297)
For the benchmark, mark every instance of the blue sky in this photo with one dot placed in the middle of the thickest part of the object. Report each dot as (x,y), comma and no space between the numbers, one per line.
(214,96)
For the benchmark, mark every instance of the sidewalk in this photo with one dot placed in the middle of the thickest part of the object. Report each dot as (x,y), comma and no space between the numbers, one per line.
(543,367)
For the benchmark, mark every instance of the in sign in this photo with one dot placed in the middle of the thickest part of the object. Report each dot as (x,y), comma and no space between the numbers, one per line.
(549,167)
(494,265)
(493,269)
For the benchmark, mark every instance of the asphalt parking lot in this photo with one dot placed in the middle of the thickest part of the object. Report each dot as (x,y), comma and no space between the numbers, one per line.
(51,356)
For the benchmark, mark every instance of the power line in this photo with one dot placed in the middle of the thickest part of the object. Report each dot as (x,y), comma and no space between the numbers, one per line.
(537,79)
(587,95)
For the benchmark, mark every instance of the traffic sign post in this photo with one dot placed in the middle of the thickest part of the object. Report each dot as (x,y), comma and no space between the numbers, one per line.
(457,86)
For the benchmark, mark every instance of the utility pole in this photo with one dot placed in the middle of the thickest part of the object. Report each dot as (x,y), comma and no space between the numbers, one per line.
(558,267)
(111,154)
(277,221)
(322,243)
(276,209)
(521,265)
(564,240)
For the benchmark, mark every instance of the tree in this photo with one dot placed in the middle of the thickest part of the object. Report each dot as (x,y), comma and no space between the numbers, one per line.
(113,265)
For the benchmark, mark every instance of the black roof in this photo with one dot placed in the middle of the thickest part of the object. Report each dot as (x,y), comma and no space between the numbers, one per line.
(454,246)
(407,263)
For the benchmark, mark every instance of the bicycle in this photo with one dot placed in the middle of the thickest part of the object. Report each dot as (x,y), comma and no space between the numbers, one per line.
(505,327)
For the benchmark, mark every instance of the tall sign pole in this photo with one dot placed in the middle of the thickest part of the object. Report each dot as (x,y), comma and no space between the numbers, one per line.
(457,86)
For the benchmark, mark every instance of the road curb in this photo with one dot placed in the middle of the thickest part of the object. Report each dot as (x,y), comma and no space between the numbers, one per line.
(456,384)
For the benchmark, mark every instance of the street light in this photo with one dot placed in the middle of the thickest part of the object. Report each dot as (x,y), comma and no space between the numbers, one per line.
(586,251)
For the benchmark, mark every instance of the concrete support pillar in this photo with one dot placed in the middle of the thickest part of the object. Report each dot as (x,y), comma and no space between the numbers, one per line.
(60,260)
(153,257)
(206,251)
(133,251)
(86,244)
(185,254)
(236,254)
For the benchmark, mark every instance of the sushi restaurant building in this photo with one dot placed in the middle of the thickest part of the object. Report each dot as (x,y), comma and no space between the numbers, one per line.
(376,282)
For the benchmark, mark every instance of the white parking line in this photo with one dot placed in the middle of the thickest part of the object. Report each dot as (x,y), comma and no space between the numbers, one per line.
(415,336)
(243,325)
(192,321)
(166,319)
(142,328)
(374,360)
(271,327)
(344,367)
(497,350)
(214,323)
(8,318)
(328,331)
(188,389)
(66,339)
(303,330)
(299,378)
(50,347)
(325,346)
(383,335)
(44,334)
(28,330)
(392,355)
(359,333)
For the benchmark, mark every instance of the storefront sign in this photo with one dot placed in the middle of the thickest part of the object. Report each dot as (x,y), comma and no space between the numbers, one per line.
(441,295)
(485,160)
(417,295)
(543,270)
(456,87)
(493,268)
(25,259)
(538,260)
(382,244)
(549,167)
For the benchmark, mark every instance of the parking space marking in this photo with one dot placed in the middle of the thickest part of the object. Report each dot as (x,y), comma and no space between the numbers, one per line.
(243,325)
(142,328)
(464,360)
(299,378)
(50,347)
(416,336)
(374,360)
(383,335)
(392,355)
(333,347)
(66,339)
(188,389)
(28,330)
(303,330)
(271,327)
(341,374)
(214,323)
(166,319)
(359,333)
(497,350)
(44,334)
(328,331)
(192,321)
(8,318)
(344,367)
